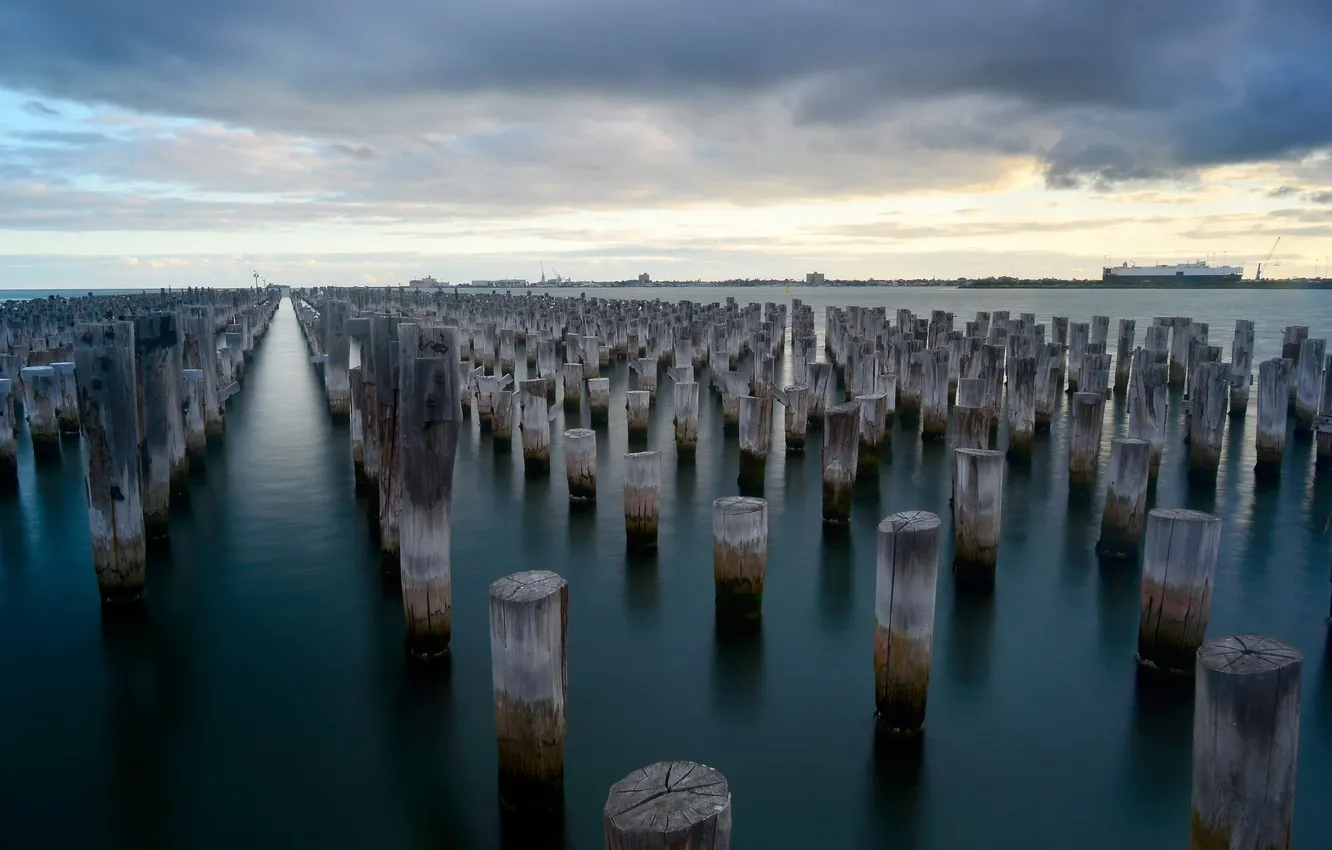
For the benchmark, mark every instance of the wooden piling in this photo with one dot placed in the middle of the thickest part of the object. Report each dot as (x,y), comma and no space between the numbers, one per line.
(337,348)
(1084,439)
(1309,383)
(580,463)
(8,444)
(873,434)
(192,406)
(676,805)
(430,421)
(1048,384)
(1078,333)
(1273,394)
(1124,355)
(637,412)
(1241,367)
(109,417)
(1125,498)
(1179,561)
(934,402)
(67,409)
(796,417)
(753,447)
(739,556)
(158,367)
(573,387)
(1246,732)
(1021,405)
(357,425)
(501,418)
(907,564)
(529,630)
(841,447)
(598,400)
(1210,390)
(685,418)
(535,427)
(42,396)
(1148,387)
(1292,340)
(978,498)
(820,390)
(642,499)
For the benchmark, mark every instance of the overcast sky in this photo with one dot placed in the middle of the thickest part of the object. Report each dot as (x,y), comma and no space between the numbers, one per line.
(158,142)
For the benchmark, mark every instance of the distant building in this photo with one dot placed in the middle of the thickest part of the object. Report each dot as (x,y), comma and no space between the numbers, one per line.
(814,279)
(502,283)
(643,278)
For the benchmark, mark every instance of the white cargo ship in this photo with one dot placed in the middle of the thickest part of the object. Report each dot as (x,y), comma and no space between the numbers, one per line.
(1180,274)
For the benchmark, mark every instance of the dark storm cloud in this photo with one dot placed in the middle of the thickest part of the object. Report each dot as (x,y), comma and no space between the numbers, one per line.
(1101,90)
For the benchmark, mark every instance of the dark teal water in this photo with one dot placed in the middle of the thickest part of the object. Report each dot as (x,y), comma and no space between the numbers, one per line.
(264,700)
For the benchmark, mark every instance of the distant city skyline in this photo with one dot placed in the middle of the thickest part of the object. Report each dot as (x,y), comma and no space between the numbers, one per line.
(888,141)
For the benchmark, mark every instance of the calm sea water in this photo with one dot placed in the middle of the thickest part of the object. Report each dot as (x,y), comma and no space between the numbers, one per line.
(264,700)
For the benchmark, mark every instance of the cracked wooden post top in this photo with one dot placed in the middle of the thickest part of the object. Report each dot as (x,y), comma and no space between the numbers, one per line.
(671,805)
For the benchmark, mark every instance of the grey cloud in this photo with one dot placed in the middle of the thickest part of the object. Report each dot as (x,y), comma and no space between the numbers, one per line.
(41,110)
(354,151)
(1282,191)
(61,137)
(1101,90)
(1323,197)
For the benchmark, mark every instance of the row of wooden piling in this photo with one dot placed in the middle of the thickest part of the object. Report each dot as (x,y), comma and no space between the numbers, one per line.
(141,381)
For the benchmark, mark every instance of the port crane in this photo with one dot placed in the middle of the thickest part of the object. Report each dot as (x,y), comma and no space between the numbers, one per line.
(1268,261)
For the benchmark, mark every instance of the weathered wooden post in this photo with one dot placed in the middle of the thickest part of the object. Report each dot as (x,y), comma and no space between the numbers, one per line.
(685,417)
(841,447)
(1084,439)
(1246,733)
(1147,404)
(535,427)
(638,413)
(67,410)
(739,556)
(1181,344)
(1078,333)
(642,498)
(1179,561)
(821,383)
(573,386)
(1210,391)
(580,462)
(8,445)
(1273,401)
(42,389)
(795,400)
(529,630)
(430,420)
(873,413)
(753,446)
(337,348)
(934,402)
(192,405)
(109,417)
(598,400)
(677,805)
(158,367)
(1124,355)
(905,578)
(1048,383)
(1241,367)
(201,354)
(978,499)
(508,353)
(1125,498)
(1022,405)
(1309,385)
(501,418)
(1292,342)
(645,369)
(357,425)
